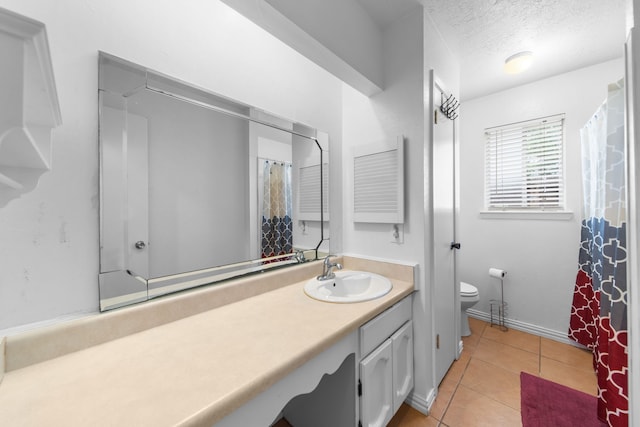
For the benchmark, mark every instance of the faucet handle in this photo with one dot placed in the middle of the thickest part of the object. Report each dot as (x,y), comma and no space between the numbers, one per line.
(327,267)
(299,256)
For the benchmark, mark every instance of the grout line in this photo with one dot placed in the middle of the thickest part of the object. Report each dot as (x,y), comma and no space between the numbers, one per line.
(455,390)
(539,357)
(459,383)
(472,355)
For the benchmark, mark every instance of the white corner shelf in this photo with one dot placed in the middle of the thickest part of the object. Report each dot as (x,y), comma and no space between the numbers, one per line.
(29,107)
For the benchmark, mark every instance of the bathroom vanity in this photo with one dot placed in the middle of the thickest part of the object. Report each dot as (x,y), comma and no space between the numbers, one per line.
(245,351)
(232,354)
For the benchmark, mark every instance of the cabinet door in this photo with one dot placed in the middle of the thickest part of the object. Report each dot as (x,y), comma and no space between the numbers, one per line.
(376,403)
(402,346)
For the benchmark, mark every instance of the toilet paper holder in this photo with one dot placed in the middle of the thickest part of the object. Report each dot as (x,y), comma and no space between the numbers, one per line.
(498,308)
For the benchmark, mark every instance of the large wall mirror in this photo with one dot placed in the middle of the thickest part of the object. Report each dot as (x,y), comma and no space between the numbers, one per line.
(196,188)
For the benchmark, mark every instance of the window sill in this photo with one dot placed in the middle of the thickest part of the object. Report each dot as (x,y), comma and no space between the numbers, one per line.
(539,215)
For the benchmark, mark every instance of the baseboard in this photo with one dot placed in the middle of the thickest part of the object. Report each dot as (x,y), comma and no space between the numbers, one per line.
(526,327)
(421,404)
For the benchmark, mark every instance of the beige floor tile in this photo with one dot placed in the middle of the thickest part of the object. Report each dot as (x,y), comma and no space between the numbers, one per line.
(409,417)
(458,367)
(471,409)
(464,357)
(477,326)
(514,338)
(568,375)
(576,357)
(494,382)
(482,388)
(507,357)
(445,392)
(470,343)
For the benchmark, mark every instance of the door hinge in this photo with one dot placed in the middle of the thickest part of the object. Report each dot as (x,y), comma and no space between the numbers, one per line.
(435,116)
(438,341)
(359,388)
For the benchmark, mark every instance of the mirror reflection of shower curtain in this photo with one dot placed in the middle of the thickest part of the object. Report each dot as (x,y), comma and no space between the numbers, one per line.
(599,310)
(277,224)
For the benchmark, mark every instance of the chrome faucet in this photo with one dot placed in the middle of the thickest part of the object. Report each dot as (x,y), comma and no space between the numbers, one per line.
(299,257)
(327,269)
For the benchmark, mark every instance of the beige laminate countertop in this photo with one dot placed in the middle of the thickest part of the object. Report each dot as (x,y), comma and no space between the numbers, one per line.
(192,371)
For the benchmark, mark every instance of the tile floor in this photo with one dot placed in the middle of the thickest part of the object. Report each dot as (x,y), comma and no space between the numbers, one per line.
(482,388)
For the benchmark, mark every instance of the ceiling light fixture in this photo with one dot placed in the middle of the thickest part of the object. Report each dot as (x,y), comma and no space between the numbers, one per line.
(518,62)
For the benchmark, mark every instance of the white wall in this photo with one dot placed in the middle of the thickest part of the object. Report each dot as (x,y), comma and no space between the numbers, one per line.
(49,238)
(398,110)
(410,48)
(540,255)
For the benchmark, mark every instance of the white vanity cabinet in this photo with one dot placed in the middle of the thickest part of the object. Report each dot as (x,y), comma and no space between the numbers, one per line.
(402,349)
(386,369)
(376,383)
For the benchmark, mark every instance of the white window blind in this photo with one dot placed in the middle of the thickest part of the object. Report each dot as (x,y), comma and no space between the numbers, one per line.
(524,165)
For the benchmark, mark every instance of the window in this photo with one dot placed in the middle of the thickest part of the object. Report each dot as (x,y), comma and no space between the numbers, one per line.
(524,165)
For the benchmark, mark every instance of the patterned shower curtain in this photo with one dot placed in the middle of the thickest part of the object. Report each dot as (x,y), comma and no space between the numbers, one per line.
(599,311)
(277,225)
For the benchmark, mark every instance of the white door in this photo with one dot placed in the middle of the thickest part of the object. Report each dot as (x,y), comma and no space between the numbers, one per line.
(402,345)
(376,402)
(446,304)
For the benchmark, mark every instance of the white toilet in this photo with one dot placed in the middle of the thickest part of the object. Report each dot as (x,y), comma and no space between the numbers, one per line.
(468,298)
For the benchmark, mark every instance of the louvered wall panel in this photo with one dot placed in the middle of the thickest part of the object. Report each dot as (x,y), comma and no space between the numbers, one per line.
(309,193)
(378,183)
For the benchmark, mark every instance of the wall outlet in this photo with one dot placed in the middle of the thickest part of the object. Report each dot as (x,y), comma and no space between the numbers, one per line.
(397,233)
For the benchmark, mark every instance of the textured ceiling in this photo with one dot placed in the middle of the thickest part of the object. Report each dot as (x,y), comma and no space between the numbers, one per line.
(563,34)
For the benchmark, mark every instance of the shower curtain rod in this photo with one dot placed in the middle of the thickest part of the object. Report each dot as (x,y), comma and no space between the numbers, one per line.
(226,112)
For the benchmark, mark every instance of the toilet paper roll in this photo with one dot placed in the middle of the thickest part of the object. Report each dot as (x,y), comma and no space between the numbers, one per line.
(496,272)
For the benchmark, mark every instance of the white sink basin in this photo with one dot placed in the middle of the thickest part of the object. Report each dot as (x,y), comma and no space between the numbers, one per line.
(349,286)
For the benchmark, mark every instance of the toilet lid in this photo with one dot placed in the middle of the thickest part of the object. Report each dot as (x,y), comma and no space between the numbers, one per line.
(467,289)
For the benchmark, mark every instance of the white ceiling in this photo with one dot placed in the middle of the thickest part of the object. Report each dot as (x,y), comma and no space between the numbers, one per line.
(563,34)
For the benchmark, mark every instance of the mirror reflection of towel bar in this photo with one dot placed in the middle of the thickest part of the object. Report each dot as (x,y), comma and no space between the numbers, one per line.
(224,111)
